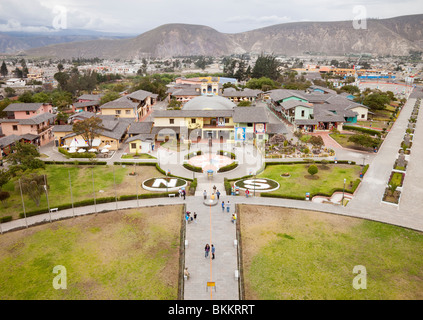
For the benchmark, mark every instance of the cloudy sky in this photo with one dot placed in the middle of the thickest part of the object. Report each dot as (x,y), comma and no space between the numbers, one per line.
(229,16)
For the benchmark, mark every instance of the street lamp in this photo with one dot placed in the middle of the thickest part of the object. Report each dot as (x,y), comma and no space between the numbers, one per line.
(343,192)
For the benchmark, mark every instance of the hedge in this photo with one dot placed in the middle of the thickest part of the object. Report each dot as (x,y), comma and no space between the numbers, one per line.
(222,152)
(89,202)
(227,185)
(193,186)
(77,154)
(5,219)
(152,164)
(192,168)
(229,167)
(86,163)
(366,167)
(364,130)
(190,155)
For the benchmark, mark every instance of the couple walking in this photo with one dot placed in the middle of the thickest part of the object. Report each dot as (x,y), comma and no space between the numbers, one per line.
(207,250)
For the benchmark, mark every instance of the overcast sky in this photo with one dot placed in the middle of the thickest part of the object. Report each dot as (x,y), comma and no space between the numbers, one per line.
(229,16)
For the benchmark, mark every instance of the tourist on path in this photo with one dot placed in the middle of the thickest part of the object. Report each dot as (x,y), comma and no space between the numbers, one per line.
(223,206)
(247,193)
(207,250)
(218,194)
(205,195)
(213,250)
(195,217)
(228,207)
(183,194)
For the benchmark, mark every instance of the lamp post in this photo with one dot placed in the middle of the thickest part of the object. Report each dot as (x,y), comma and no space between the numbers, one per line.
(167,182)
(48,204)
(70,185)
(343,192)
(23,203)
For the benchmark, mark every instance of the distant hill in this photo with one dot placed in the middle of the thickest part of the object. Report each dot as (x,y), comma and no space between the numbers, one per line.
(13,42)
(394,36)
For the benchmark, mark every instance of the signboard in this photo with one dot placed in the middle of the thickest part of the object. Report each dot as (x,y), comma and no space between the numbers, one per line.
(240,134)
(260,128)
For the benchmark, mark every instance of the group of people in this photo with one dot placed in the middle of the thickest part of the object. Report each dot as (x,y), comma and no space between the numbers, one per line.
(215,192)
(190,218)
(182,193)
(209,249)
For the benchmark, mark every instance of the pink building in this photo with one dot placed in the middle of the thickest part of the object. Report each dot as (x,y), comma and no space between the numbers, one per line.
(31,121)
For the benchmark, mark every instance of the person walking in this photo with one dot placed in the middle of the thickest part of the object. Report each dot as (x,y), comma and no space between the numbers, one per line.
(228,207)
(214,189)
(195,217)
(223,206)
(183,193)
(180,192)
(213,250)
(207,250)
(205,195)
(247,193)
(218,194)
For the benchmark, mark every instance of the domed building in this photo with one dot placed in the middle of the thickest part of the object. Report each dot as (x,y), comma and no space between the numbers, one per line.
(211,118)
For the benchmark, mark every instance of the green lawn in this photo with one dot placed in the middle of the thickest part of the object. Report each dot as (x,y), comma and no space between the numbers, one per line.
(342,139)
(298,254)
(82,185)
(131,254)
(299,182)
(140,156)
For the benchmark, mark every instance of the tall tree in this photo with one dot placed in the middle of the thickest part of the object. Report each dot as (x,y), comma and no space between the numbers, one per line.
(25,155)
(89,129)
(3,69)
(266,66)
(33,186)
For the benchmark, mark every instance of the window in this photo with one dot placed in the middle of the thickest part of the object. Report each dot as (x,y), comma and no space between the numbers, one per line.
(127,111)
(117,111)
(27,113)
(249,124)
(302,113)
(133,145)
(171,121)
(363,116)
(193,120)
(226,120)
(15,128)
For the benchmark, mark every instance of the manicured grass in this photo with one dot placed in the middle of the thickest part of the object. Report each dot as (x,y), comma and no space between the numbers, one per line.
(297,254)
(342,139)
(82,185)
(131,254)
(328,178)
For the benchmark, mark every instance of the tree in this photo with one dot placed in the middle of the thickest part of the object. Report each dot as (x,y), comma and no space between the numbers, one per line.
(89,129)
(376,101)
(312,170)
(60,67)
(109,96)
(4,195)
(316,141)
(4,177)
(266,66)
(25,155)
(263,84)
(10,92)
(350,89)
(33,186)
(3,69)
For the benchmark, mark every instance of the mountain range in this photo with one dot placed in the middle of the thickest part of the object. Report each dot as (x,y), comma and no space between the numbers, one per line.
(394,36)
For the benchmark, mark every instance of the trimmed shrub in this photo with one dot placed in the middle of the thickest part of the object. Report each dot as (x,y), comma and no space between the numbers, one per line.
(231,154)
(229,167)
(5,219)
(192,168)
(364,130)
